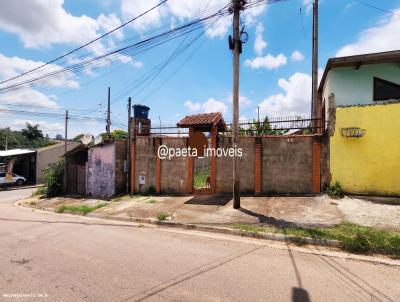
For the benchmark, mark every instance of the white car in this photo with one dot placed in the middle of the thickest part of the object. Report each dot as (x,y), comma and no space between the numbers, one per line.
(16,179)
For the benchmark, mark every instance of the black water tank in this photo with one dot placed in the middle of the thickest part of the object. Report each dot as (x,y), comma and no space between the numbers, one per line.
(141,111)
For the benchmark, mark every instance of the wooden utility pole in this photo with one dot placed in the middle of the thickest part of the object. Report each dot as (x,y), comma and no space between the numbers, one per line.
(108,126)
(128,149)
(314,101)
(236,6)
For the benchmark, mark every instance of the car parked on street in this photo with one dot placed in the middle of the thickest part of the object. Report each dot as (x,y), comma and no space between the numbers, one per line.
(15,179)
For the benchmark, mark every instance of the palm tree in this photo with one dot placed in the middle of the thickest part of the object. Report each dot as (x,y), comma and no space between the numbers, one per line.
(32,132)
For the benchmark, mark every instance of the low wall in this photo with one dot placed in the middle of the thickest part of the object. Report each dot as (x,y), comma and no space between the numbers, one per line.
(370,164)
(285,163)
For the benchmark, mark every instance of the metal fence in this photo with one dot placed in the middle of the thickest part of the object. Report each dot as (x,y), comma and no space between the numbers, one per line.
(287,125)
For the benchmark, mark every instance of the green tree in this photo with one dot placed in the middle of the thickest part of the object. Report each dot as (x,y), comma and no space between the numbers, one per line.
(32,132)
(261,128)
(119,135)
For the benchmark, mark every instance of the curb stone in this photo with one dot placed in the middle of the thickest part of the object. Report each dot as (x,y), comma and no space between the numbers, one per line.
(229,231)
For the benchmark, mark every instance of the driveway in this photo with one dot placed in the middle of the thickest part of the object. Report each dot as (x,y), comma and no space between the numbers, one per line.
(73,258)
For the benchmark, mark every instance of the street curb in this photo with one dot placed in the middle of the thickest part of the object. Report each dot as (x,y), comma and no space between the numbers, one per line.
(220,230)
(239,233)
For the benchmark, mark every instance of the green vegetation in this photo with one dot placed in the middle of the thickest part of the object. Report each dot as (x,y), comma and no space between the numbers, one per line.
(352,237)
(151,191)
(53,180)
(162,216)
(84,209)
(335,191)
(30,137)
(261,128)
(152,201)
(200,179)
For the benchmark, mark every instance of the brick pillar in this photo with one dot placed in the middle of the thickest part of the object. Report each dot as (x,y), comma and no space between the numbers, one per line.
(316,167)
(133,167)
(213,171)
(158,169)
(257,167)
(190,168)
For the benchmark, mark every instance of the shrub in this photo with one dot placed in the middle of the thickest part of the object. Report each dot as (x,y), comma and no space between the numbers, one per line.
(162,216)
(53,180)
(335,190)
(151,191)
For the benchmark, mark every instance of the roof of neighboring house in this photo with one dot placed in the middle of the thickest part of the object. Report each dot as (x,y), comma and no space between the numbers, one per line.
(358,60)
(204,120)
(14,152)
(78,148)
(58,145)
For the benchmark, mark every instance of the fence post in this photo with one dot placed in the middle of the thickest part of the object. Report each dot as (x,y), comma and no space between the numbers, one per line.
(316,166)
(257,166)
(158,169)
(190,167)
(214,160)
(133,166)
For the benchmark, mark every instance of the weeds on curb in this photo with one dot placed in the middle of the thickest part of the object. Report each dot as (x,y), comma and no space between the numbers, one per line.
(351,237)
(162,216)
(335,191)
(84,209)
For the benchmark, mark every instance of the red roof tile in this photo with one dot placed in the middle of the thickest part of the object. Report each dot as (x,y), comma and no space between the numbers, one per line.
(204,120)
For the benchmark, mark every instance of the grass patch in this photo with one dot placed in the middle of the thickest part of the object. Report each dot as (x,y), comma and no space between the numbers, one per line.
(84,209)
(152,201)
(200,179)
(251,228)
(162,216)
(352,237)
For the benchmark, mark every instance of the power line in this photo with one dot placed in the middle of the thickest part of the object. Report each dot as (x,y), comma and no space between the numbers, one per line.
(376,7)
(86,44)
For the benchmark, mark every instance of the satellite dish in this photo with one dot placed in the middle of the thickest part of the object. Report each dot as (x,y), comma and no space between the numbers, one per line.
(87,139)
(98,139)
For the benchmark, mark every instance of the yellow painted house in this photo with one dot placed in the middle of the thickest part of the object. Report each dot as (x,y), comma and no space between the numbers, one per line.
(361,108)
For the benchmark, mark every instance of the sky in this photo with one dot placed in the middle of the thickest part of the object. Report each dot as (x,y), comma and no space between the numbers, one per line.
(275,64)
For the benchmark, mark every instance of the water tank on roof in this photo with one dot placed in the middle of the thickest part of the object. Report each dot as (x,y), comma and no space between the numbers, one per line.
(141,111)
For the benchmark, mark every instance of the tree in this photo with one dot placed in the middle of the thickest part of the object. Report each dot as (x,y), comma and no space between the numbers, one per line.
(78,137)
(119,135)
(32,132)
(261,128)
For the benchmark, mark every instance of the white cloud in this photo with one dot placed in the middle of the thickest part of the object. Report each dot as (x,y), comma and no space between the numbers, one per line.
(131,9)
(212,105)
(40,23)
(297,56)
(259,42)
(382,37)
(28,96)
(46,127)
(12,66)
(268,62)
(243,100)
(296,99)
(108,23)
(308,4)
(192,107)
(219,28)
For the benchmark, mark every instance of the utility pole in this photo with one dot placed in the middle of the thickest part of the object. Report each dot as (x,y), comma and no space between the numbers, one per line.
(314,101)
(236,6)
(65,151)
(108,126)
(128,149)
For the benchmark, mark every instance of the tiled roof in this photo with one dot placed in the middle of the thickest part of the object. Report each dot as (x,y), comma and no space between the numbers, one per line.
(203,120)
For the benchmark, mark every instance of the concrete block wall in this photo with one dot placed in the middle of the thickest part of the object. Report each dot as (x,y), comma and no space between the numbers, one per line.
(285,165)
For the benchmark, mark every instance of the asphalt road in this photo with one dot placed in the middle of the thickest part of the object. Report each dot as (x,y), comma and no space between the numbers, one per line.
(50,257)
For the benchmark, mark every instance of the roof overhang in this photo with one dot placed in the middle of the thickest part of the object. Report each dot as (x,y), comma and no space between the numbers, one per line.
(359,60)
(15,152)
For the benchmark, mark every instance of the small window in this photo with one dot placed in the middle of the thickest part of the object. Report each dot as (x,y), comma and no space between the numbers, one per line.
(385,90)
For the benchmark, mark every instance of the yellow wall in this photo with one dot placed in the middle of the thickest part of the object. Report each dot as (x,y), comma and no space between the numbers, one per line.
(370,164)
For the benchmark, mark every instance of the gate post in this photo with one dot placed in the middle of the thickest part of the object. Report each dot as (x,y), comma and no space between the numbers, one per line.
(316,166)
(132,184)
(158,169)
(214,160)
(257,166)
(190,167)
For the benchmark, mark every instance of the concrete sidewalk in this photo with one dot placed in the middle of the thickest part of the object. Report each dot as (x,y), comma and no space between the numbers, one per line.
(320,211)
